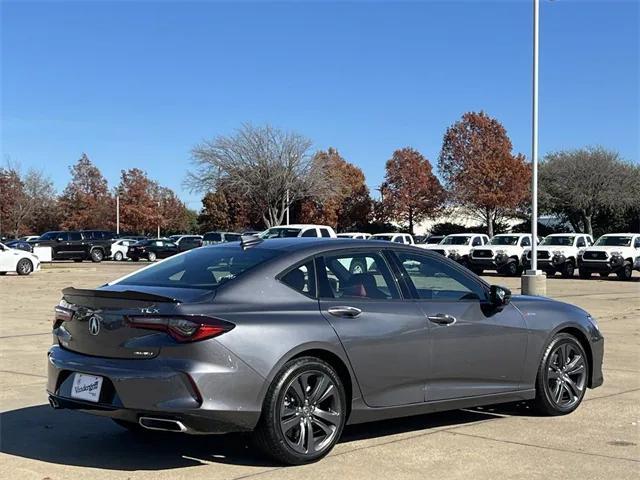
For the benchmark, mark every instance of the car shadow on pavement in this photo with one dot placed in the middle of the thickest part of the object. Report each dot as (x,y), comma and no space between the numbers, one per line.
(72,438)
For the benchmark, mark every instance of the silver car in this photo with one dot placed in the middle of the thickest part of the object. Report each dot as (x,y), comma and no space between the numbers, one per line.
(281,338)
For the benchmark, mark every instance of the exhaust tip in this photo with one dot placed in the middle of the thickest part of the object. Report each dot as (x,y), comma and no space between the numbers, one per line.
(162,424)
(54,403)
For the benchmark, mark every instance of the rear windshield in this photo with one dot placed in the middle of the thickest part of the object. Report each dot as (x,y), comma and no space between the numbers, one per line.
(204,268)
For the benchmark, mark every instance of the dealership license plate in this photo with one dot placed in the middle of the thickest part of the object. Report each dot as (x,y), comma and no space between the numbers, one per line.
(86,387)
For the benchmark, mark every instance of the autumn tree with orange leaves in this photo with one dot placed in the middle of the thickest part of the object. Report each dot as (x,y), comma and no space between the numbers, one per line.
(86,202)
(411,192)
(349,205)
(480,170)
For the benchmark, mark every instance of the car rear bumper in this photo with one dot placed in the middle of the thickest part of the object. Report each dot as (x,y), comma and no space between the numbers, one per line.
(205,398)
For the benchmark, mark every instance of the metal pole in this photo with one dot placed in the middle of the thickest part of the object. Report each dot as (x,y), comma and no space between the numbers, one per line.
(158,221)
(534,141)
(287,206)
(118,214)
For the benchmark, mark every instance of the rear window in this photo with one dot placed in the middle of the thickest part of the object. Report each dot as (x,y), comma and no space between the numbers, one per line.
(205,268)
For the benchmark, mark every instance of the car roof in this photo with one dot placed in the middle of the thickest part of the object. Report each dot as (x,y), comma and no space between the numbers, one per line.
(388,233)
(569,234)
(464,234)
(301,225)
(619,234)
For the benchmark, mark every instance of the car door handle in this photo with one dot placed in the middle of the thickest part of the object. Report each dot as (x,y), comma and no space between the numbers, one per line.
(345,311)
(442,319)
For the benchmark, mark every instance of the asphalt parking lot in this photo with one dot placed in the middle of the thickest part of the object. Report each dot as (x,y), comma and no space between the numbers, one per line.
(600,440)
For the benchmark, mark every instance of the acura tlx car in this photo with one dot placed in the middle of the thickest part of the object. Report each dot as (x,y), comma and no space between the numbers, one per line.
(279,338)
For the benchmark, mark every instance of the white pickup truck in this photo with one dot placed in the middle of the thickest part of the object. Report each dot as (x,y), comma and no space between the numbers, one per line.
(457,246)
(612,253)
(503,254)
(559,252)
(394,237)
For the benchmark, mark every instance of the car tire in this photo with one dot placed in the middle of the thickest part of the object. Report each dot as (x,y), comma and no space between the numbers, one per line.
(626,271)
(568,269)
(152,256)
(24,267)
(118,257)
(97,255)
(3,273)
(358,265)
(511,269)
(562,377)
(584,274)
(310,393)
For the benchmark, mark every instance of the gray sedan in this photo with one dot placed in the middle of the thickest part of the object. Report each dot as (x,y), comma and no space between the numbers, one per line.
(283,338)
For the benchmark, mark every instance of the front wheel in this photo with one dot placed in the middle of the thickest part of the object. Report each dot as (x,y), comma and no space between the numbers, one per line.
(24,267)
(625,272)
(562,376)
(511,268)
(304,412)
(118,256)
(97,255)
(568,269)
(152,256)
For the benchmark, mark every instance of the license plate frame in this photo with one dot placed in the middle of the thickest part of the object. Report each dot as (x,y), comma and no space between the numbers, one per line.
(86,387)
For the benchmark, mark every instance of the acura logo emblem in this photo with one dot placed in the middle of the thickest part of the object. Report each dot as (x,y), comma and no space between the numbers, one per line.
(94,325)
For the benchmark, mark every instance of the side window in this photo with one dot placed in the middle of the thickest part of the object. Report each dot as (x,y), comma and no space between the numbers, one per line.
(435,280)
(158,243)
(637,242)
(63,236)
(399,239)
(170,244)
(325,233)
(309,233)
(581,242)
(525,242)
(589,241)
(485,240)
(302,279)
(477,241)
(75,236)
(357,275)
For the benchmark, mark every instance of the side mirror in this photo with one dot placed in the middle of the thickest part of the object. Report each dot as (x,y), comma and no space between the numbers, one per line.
(499,296)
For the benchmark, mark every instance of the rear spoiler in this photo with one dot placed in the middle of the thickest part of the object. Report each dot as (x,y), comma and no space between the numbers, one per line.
(125,294)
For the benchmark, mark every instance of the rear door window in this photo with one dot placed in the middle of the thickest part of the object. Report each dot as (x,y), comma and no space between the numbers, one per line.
(302,279)
(311,232)
(325,233)
(75,236)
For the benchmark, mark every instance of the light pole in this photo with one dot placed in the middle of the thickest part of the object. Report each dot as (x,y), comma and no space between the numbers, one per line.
(159,219)
(534,281)
(118,214)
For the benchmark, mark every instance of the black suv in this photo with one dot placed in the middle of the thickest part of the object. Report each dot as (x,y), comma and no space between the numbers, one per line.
(94,245)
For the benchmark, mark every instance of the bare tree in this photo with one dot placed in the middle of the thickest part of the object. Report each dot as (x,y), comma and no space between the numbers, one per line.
(270,167)
(579,184)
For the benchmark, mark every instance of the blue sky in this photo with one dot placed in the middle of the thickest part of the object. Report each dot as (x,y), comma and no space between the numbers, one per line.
(140,83)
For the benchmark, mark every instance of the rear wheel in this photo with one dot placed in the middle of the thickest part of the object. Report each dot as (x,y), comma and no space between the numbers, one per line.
(152,256)
(626,271)
(304,412)
(568,269)
(562,376)
(118,256)
(97,255)
(24,267)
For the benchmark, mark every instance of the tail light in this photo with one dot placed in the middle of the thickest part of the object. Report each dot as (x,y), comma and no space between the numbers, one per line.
(188,328)
(61,315)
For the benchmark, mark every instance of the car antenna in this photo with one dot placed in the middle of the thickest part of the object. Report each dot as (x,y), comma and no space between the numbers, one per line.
(248,241)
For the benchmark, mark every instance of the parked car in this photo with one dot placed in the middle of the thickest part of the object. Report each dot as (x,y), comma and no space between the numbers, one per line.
(502,254)
(152,249)
(212,238)
(558,252)
(17,260)
(94,245)
(279,338)
(355,235)
(187,242)
(20,245)
(299,230)
(404,238)
(120,247)
(458,246)
(612,253)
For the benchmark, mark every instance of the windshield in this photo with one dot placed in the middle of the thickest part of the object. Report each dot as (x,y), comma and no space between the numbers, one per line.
(450,240)
(50,236)
(606,241)
(382,237)
(205,268)
(504,240)
(560,241)
(280,232)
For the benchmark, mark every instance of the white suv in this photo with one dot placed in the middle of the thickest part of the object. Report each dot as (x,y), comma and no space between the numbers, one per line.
(613,252)
(559,252)
(394,237)
(457,246)
(299,230)
(503,254)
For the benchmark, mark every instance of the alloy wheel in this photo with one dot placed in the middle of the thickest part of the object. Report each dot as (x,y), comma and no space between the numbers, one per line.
(566,375)
(24,267)
(310,412)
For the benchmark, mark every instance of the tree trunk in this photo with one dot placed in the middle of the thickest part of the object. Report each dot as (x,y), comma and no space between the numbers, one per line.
(410,221)
(489,223)
(586,220)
